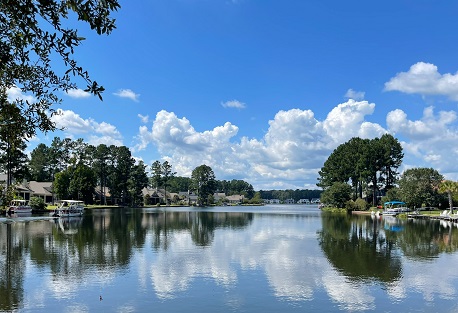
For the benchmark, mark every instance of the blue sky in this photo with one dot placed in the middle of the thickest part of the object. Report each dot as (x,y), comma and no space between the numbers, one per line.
(265,90)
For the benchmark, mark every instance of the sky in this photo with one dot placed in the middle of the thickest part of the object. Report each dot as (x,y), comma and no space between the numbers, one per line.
(265,90)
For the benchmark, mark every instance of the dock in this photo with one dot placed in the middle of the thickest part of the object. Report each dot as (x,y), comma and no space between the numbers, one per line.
(445,216)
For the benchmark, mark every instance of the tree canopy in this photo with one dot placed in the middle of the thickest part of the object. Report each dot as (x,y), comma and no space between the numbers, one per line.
(203,180)
(34,40)
(419,186)
(449,187)
(363,163)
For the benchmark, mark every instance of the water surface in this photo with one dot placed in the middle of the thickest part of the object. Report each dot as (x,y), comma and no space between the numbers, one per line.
(278,258)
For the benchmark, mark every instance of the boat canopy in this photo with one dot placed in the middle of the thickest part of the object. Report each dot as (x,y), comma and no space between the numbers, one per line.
(72,201)
(394,203)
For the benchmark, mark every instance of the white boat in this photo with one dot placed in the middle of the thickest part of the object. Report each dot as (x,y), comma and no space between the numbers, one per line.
(19,206)
(393,208)
(69,208)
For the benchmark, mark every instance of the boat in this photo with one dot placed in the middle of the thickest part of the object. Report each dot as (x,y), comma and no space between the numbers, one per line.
(19,206)
(393,208)
(69,208)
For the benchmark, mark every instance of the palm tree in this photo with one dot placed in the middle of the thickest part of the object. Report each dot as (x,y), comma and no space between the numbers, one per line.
(449,187)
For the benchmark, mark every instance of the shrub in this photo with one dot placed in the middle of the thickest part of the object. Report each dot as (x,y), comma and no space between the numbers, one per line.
(361,204)
(37,203)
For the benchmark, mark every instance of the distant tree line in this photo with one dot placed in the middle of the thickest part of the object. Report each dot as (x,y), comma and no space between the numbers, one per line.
(296,194)
(76,168)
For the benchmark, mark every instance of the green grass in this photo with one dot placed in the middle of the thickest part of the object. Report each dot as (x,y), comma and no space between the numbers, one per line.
(334,210)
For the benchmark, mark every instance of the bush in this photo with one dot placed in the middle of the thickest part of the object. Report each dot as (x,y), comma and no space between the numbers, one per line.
(361,204)
(350,205)
(37,203)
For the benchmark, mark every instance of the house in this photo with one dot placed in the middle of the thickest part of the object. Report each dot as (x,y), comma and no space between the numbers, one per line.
(42,190)
(219,196)
(289,201)
(154,195)
(235,199)
(22,190)
(272,201)
(304,201)
(315,200)
(103,196)
(188,197)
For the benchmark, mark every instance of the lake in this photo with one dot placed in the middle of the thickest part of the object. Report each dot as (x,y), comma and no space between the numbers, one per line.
(276,258)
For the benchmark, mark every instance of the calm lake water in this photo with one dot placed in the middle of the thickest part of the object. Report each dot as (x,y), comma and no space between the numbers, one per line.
(227,259)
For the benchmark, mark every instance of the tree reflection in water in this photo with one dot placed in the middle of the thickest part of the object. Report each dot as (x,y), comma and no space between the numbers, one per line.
(12,264)
(102,239)
(356,247)
(365,248)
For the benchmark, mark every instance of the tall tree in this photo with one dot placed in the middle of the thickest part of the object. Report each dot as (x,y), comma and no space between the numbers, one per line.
(119,178)
(419,186)
(392,159)
(61,184)
(363,161)
(373,160)
(82,183)
(60,154)
(203,180)
(449,187)
(40,167)
(167,174)
(102,168)
(137,181)
(33,33)
(178,183)
(13,135)
(156,170)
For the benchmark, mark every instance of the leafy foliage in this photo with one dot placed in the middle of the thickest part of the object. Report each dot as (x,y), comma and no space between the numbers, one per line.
(203,180)
(137,181)
(32,34)
(419,186)
(37,203)
(337,195)
(363,163)
(449,187)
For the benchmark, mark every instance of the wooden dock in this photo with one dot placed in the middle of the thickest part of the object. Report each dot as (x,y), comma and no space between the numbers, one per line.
(444,217)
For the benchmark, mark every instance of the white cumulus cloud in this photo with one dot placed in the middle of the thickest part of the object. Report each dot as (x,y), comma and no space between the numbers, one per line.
(425,79)
(355,95)
(233,104)
(292,151)
(429,141)
(127,93)
(15,93)
(78,93)
(75,126)
(143,118)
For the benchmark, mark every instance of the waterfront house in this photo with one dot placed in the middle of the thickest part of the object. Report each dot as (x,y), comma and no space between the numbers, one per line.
(303,201)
